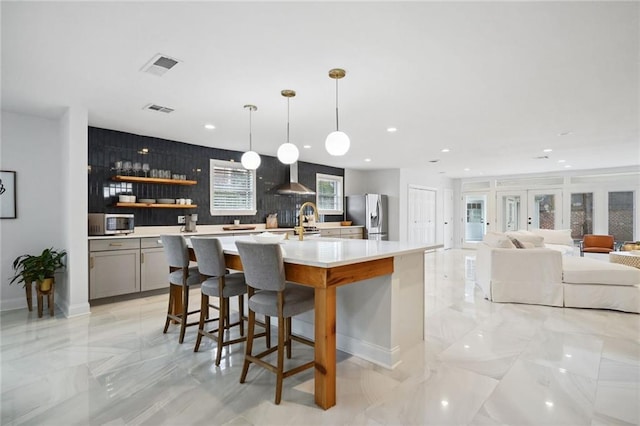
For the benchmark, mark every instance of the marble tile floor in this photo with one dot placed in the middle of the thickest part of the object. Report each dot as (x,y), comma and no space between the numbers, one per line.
(481,363)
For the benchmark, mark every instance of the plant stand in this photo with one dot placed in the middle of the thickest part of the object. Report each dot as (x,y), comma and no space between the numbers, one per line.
(28,288)
(40,294)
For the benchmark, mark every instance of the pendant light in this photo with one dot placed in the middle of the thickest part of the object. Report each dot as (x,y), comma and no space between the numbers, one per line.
(287,152)
(250,160)
(337,143)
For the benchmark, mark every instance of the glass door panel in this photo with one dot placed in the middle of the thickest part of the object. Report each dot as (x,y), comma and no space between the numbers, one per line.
(544,209)
(475,218)
(512,210)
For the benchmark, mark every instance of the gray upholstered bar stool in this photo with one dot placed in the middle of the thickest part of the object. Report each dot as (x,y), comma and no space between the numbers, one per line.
(270,294)
(180,274)
(217,282)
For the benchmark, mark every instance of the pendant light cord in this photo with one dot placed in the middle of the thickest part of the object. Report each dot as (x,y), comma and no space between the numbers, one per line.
(250,141)
(337,127)
(288,119)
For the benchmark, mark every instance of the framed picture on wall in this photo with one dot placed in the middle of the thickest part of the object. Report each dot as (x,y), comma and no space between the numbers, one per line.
(7,194)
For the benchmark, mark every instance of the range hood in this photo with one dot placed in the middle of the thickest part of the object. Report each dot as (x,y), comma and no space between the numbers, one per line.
(293,187)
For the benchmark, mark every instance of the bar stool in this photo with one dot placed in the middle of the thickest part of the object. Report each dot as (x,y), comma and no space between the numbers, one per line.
(270,294)
(217,282)
(180,274)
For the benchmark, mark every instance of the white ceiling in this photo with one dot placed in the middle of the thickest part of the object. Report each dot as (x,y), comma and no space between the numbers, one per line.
(496,83)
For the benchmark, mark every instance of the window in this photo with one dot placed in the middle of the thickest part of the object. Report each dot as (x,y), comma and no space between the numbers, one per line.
(233,189)
(621,215)
(329,194)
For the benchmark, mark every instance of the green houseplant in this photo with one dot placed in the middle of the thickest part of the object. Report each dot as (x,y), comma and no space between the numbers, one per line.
(40,268)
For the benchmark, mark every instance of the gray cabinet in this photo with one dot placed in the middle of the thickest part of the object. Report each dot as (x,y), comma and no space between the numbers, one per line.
(346,232)
(114,267)
(153,265)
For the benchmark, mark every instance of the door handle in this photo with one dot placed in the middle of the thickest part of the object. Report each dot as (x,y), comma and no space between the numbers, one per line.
(91,262)
(141,257)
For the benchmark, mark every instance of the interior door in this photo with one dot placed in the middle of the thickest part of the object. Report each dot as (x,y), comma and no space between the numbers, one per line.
(422,216)
(544,209)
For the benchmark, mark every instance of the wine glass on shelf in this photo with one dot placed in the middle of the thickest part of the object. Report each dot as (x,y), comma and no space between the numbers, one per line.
(145,168)
(118,166)
(136,168)
(126,166)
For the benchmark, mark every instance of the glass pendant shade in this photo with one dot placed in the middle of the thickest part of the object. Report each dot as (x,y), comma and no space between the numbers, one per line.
(250,160)
(337,143)
(288,153)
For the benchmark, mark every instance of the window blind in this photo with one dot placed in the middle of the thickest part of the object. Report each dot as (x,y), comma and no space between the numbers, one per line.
(233,189)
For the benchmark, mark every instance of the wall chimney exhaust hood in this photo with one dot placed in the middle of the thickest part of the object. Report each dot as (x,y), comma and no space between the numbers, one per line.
(293,187)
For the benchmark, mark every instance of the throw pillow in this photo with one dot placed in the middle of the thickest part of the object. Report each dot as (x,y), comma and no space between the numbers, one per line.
(527,236)
(497,240)
(555,236)
(517,243)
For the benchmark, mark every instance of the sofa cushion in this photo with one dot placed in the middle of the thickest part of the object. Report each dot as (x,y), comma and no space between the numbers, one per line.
(555,236)
(527,236)
(497,240)
(583,270)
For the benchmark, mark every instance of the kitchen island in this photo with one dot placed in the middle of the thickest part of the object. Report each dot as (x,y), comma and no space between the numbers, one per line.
(369,299)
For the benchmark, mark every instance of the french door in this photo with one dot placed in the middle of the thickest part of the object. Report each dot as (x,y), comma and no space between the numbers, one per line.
(533,209)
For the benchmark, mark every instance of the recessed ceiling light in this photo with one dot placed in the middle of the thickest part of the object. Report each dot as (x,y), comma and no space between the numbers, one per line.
(467,169)
(562,161)
(306,146)
(367,159)
(445,150)
(444,402)
(549,404)
(391,129)
(209,126)
(567,166)
(547,150)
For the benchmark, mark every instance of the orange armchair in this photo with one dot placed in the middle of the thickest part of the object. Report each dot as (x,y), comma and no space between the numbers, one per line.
(597,244)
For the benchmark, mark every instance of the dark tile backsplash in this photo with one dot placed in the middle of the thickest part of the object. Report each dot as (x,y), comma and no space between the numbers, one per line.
(108,146)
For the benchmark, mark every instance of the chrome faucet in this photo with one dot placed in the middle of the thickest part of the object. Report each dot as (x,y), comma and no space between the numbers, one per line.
(300,217)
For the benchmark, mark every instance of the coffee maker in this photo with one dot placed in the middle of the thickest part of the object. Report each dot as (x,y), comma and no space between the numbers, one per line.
(190,222)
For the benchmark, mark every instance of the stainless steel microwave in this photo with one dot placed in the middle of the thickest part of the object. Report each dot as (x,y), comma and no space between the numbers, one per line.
(110,224)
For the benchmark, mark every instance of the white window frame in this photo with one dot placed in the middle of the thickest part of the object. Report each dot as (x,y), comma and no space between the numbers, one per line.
(340,196)
(220,164)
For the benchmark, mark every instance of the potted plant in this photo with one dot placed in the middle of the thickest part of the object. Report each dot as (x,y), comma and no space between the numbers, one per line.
(40,268)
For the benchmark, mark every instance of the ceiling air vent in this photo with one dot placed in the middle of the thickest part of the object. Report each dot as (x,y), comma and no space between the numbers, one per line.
(159,108)
(159,65)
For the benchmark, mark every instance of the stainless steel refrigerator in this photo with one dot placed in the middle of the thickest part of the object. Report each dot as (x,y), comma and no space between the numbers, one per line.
(370,211)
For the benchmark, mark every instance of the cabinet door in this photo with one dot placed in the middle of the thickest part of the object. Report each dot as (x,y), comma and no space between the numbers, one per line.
(154,269)
(112,273)
(353,233)
(331,232)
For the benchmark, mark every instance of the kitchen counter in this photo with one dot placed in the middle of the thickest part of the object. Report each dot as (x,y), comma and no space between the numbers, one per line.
(369,300)
(332,252)
(156,231)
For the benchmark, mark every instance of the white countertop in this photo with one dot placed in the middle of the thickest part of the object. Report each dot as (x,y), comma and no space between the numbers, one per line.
(331,252)
(156,231)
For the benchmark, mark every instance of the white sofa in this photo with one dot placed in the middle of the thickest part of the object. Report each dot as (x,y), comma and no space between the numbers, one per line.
(544,276)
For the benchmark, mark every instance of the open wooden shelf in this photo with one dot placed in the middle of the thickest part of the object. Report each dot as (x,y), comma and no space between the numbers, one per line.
(156,206)
(138,179)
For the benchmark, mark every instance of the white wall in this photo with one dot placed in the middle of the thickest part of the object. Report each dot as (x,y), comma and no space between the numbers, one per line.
(395,183)
(378,182)
(74,298)
(50,158)
(30,146)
